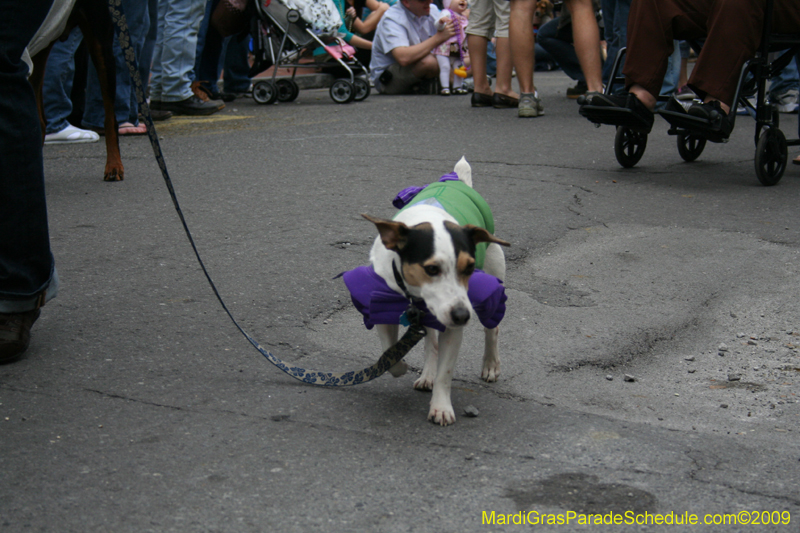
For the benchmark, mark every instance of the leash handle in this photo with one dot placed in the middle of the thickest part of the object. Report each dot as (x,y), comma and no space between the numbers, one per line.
(331,379)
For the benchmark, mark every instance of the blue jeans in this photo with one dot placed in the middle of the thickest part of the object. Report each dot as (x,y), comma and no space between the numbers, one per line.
(558,43)
(148,47)
(176,45)
(26,263)
(126,108)
(57,87)
(216,53)
(786,80)
(615,17)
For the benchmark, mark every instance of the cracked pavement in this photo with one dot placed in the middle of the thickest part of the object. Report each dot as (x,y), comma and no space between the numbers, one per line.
(140,407)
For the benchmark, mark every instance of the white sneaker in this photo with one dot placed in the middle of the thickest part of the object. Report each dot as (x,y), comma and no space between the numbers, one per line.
(787,102)
(71,135)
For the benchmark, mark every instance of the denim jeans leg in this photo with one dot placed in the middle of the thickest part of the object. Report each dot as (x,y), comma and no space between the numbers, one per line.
(26,262)
(615,13)
(558,42)
(57,87)
(125,106)
(148,47)
(786,80)
(236,67)
(179,22)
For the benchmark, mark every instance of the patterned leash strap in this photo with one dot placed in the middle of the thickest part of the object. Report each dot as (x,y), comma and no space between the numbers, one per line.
(331,379)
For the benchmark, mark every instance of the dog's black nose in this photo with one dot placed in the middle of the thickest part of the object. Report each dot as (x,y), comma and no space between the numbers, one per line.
(460,315)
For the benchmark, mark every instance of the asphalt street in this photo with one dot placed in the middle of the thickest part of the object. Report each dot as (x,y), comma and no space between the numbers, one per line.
(650,354)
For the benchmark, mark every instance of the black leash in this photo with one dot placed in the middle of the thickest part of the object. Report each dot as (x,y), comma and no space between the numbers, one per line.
(389,358)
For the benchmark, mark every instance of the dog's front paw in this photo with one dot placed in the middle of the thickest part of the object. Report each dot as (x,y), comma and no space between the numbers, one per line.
(442,415)
(424,383)
(399,369)
(491,369)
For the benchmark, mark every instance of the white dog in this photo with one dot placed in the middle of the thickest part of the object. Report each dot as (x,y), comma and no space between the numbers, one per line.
(428,253)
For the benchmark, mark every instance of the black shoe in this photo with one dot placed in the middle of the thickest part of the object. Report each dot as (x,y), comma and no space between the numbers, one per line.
(579,90)
(15,334)
(616,110)
(481,100)
(230,97)
(192,106)
(503,101)
(718,121)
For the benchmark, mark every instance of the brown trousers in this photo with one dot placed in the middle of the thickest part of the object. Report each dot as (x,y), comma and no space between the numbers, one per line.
(732,29)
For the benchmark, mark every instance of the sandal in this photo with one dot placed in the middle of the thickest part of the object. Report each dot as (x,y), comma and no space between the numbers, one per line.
(126,128)
(460,90)
(445,92)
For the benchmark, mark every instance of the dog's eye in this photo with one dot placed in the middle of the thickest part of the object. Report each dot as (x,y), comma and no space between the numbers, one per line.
(432,270)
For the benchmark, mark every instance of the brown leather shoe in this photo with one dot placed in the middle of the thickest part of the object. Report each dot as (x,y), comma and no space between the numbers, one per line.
(15,334)
(481,100)
(502,101)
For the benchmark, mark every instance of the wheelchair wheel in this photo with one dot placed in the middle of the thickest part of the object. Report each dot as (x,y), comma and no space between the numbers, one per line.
(629,146)
(362,89)
(690,146)
(265,92)
(771,156)
(287,90)
(342,91)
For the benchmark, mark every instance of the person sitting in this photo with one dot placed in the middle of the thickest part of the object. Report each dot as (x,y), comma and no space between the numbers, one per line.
(401,51)
(732,29)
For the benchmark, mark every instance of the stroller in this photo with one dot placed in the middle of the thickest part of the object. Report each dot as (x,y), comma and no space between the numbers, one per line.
(771,154)
(281,37)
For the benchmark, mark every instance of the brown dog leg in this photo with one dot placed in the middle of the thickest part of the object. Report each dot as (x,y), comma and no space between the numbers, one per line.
(98,33)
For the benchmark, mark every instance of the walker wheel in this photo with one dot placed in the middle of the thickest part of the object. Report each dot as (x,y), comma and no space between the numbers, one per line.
(362,89)
(629,146)
(690,146)
(265,92)
(287,90)
(342,91)
(771,156)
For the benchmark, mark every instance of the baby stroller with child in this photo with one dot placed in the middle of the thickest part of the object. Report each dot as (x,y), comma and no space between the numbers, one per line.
(771,154)
(285,31)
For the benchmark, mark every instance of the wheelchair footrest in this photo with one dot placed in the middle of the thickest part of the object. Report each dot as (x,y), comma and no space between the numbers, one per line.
(696,126)
(615,116)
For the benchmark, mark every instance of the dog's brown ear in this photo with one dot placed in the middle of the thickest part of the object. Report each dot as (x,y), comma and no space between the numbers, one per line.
(394,235)
(481,235)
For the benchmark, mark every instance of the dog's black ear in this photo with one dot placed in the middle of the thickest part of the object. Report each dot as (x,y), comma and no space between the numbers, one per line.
(394,235)
(481,235)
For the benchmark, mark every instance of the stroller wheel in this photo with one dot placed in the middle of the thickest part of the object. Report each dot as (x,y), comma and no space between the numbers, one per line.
(362,89)
(771,156)
(265,92)
(629,146)
(342,91)
(287,90)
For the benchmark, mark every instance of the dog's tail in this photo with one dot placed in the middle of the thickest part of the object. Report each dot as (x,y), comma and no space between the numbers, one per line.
(464,171)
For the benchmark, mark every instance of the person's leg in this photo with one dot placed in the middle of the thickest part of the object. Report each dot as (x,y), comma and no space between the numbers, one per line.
(444,72)
(615,14)
(558,43)
(236,67)
(477,53)
(502,11)
(520,30)
(178,45)
(57,86)
(125,106)
(784,88)
(148,46)
(27,270)
(209,52)
(586,35)
(479,31)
